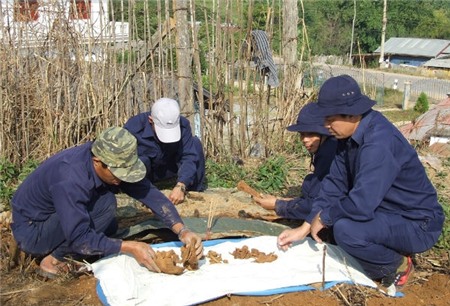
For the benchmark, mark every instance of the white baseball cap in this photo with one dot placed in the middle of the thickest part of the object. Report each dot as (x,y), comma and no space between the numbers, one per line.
(166,117)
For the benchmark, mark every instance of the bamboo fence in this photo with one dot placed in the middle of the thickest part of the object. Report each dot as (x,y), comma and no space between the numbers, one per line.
(61,88)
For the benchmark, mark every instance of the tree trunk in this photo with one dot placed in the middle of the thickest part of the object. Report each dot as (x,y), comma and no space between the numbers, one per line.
(290,22)
(184,60)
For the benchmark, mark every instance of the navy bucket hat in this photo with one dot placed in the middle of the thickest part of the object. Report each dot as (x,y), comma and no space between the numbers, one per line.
(309,122)
(341,95)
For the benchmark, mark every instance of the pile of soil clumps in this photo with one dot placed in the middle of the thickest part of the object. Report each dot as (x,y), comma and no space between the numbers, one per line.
(169,261)
(260,257)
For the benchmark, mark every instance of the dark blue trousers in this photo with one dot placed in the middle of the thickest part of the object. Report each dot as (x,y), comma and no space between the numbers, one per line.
(40,238)
(170,170)
(380,244)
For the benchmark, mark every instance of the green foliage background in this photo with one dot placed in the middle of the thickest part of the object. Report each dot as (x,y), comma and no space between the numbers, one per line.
(328,22)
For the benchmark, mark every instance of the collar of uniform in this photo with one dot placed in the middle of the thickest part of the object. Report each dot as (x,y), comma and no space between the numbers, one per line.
(362,127)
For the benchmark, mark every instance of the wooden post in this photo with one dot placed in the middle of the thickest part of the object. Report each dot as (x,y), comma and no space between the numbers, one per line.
(290,24)
(406,95)
(383,34)
(184,60)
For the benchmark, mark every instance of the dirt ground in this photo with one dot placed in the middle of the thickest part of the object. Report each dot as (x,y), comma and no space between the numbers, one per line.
(20,285)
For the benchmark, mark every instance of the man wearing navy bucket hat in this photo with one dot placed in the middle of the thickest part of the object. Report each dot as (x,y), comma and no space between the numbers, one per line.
(316,139)
(377,196)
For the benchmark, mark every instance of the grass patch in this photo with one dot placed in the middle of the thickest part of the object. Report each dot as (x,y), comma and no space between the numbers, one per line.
(401,115)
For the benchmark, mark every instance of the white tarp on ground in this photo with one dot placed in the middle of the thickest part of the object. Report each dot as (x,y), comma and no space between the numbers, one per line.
(122,281)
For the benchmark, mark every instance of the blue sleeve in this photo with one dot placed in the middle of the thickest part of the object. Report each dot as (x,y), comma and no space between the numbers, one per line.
(311,186)
(297,209)
(71,194)
(374,166)
(189,158)
(145,192)
(334,186)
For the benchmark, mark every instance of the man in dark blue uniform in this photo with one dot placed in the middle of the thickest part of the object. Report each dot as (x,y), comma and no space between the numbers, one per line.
(322,147)
(66,207)
(377,197)
(168,148)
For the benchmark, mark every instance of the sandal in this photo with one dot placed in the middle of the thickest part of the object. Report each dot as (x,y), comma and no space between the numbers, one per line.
(51,268)
(47,275)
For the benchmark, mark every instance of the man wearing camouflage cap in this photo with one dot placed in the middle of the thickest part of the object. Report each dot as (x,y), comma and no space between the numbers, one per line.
(66,207)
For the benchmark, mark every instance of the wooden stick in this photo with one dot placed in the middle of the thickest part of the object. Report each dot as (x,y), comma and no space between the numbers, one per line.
(18,291)
(343,297)
(210,219)
(323,266)
(243,186)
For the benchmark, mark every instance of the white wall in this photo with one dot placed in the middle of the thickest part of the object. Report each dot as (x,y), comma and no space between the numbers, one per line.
(33,32)
(434,139)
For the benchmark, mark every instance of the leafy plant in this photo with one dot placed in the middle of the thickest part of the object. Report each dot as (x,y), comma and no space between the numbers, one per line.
(271,175)
(8,173)
(29,166)
(11,177)
(444,239)
(223,174)
(422,104)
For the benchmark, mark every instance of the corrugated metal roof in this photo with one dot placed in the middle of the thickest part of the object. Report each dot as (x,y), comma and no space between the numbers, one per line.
(415,46)
(446,52)
(438,63)
(435,122)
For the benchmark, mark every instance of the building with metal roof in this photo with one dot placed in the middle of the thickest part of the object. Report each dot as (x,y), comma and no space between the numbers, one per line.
(438,63)
(415,51)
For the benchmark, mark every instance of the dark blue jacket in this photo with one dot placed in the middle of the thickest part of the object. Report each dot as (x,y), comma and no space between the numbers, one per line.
(299,208)
(65,183)
(181,157)
(376,169)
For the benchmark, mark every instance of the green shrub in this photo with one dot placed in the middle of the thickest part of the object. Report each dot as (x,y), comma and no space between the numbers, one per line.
(444,240)
(422,104)
(271,175)
(8,174)
(224,175)
(11,177)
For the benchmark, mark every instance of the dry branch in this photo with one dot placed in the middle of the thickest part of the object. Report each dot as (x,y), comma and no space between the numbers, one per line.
(243,186)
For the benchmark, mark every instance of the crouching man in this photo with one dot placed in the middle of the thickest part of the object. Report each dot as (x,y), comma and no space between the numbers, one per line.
(377,196)
(66,207)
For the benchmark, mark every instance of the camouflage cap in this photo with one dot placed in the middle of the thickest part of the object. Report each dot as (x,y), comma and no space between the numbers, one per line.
(117,148)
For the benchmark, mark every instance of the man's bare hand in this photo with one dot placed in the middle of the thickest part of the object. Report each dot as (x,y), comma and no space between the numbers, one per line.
(316,227)
(187,236)
(177,194)
(266,201)
(142,252)
(289,236)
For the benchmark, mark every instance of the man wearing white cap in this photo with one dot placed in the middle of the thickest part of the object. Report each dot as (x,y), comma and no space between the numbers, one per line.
(168,148)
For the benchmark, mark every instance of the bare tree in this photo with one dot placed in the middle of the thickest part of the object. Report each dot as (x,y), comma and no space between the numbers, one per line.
(184,59)
(383,32)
